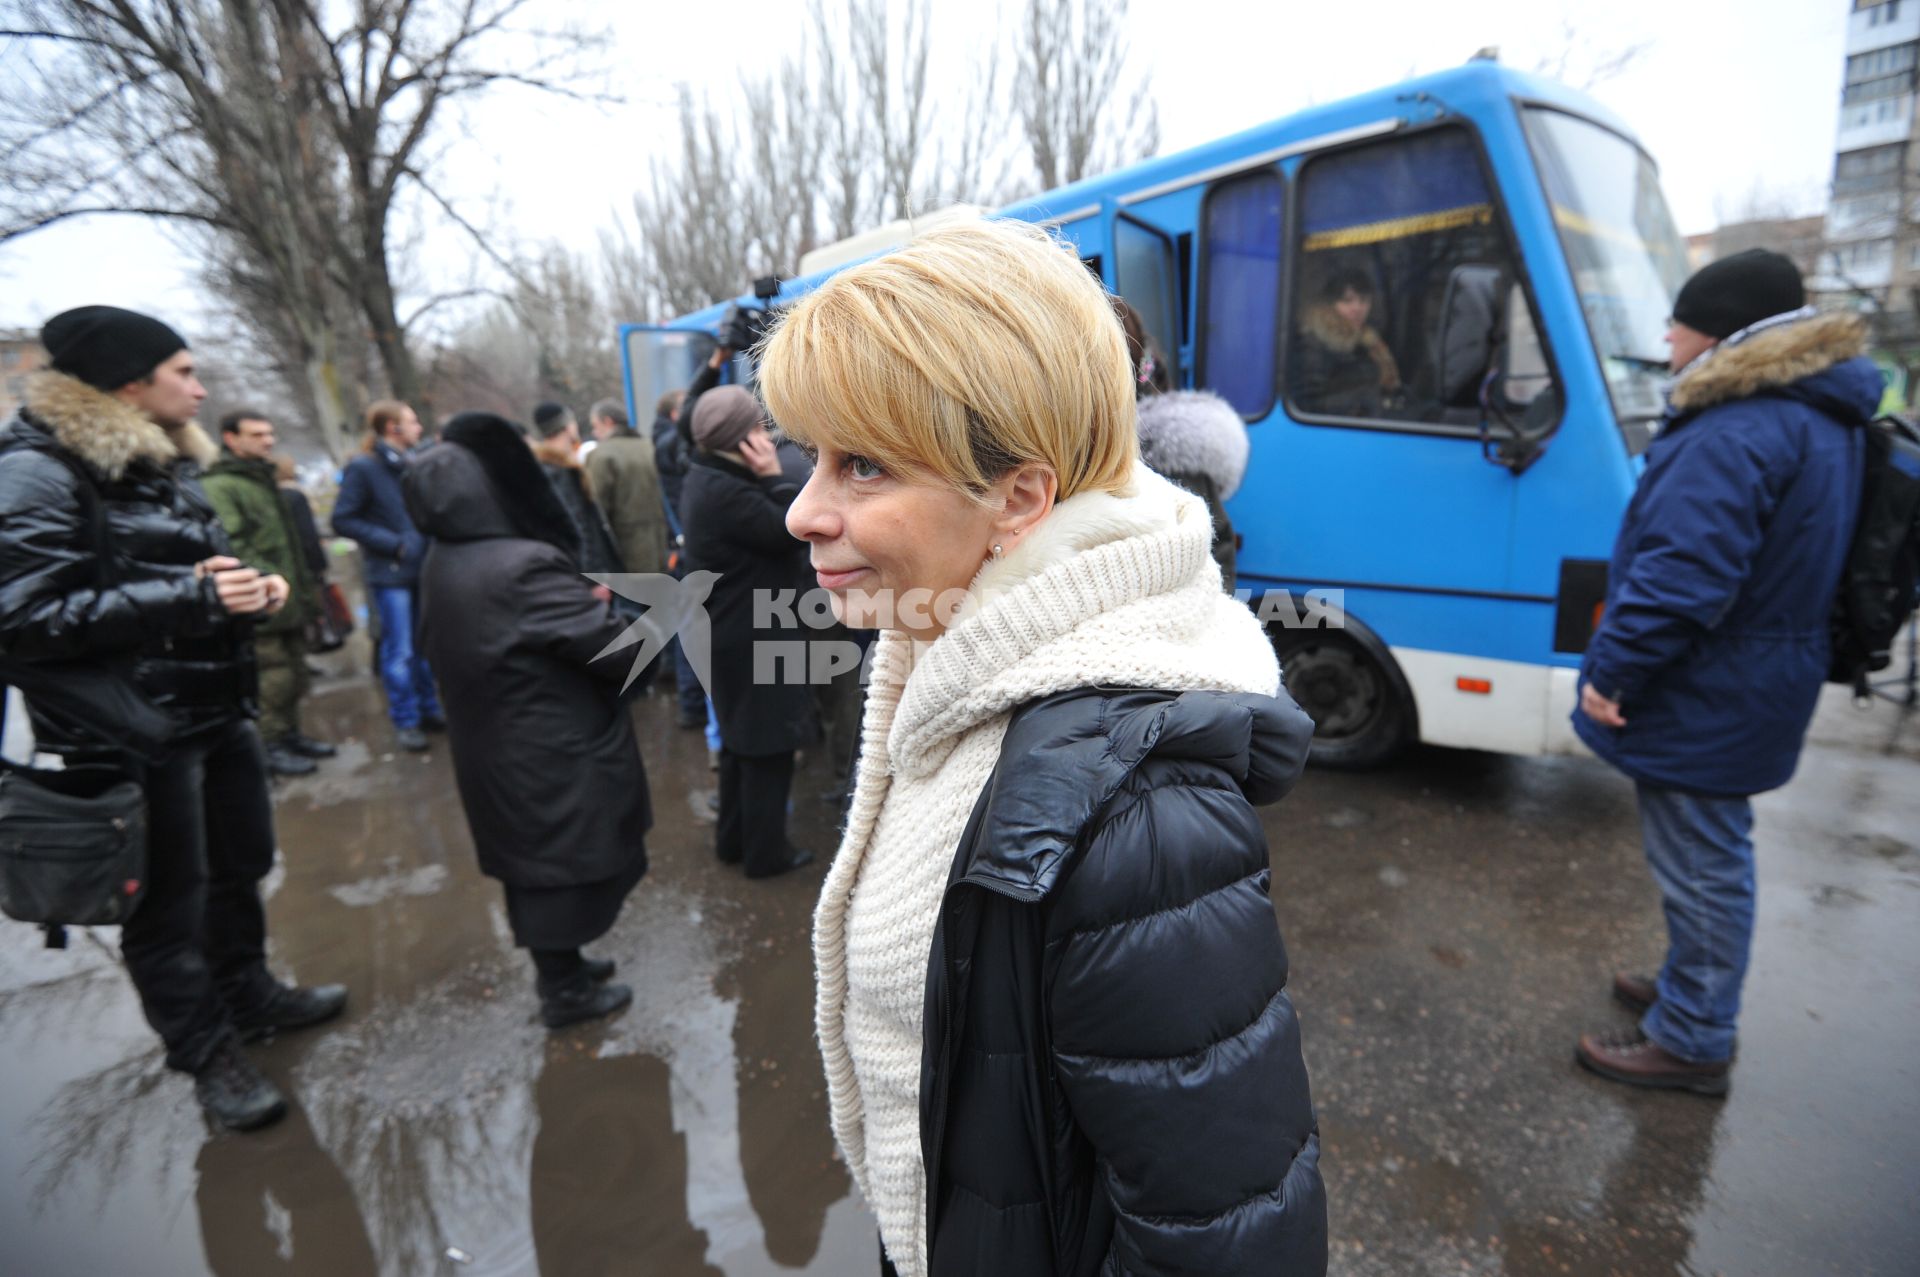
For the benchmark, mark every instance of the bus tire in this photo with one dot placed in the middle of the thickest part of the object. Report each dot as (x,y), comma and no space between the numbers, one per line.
(1361,707)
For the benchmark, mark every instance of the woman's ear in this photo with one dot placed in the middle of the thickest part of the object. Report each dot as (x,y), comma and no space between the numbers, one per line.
(1027,496)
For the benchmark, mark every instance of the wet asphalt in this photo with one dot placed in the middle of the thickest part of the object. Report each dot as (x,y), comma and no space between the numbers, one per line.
(1452,923)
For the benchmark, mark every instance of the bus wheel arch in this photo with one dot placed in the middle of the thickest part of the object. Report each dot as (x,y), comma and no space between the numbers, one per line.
(1349,683)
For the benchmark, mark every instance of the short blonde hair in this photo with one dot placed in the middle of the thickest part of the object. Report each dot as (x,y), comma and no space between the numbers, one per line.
(973,350)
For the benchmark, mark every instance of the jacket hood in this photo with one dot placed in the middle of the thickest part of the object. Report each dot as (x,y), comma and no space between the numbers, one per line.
(1194,432)
(104,432)
(1034,813)
(1818,360)
(450,498)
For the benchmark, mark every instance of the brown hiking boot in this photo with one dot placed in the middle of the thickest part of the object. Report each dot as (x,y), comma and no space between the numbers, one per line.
(1635,992)
(1638,1062)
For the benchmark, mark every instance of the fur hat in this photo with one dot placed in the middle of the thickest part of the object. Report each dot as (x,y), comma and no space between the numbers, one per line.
(517,480)
(107,347)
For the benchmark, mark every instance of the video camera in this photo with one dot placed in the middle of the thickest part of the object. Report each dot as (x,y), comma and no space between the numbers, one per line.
(745,327)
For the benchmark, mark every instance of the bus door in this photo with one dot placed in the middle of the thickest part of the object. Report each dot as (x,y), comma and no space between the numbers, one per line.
(1398,276)
(659,358)
(1144,269)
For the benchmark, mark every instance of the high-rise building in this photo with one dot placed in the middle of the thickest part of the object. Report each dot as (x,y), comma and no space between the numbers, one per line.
(20,354)
(1872,258)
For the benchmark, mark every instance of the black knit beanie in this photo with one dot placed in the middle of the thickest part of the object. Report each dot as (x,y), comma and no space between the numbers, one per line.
(107,347)
(1725,296)
(550,418)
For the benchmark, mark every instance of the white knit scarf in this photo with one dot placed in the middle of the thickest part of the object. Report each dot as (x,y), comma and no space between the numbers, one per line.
(1111,588)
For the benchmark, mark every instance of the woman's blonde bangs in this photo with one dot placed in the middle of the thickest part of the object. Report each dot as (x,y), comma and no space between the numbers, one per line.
(974,349)
(828,383)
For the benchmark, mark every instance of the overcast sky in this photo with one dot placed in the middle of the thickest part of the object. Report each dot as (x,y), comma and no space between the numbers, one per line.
(1731,97)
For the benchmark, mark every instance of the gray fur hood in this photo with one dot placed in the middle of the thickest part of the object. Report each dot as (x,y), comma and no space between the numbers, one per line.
(1194,432)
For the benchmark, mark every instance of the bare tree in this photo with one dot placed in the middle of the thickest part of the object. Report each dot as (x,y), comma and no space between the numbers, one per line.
(289,129)
(853,130)
(1078,116)
(1579,61)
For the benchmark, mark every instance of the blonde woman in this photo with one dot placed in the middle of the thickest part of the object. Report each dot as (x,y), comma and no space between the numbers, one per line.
(1051,987)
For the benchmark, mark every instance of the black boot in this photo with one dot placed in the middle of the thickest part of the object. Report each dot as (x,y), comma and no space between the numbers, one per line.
(570,991)
(306,746)
(291,1007)
(282,761)
(599,970)
(234,1093)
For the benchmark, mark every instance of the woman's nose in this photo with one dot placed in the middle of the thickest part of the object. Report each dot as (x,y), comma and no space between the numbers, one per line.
(811,516)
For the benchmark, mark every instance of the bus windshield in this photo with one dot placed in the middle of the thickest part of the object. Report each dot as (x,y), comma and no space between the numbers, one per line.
(1628,261)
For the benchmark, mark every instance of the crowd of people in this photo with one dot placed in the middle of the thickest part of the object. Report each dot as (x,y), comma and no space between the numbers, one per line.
(1051,990)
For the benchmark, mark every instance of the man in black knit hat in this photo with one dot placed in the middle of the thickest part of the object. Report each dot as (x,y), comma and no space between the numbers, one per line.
(1702,677)
(128,624)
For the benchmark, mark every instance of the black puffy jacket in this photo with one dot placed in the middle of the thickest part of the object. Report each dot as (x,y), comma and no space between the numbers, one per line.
(147,619)
(1112,1079)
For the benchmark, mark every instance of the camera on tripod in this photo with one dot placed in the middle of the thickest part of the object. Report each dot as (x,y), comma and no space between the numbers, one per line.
(746,327)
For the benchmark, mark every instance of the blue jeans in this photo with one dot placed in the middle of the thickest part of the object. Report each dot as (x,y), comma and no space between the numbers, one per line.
(409,682)
(1701,851)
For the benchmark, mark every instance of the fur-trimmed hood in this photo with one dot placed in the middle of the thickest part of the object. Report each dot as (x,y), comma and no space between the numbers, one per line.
(1194,432)
(484,482)
(104,432)
(1776,356)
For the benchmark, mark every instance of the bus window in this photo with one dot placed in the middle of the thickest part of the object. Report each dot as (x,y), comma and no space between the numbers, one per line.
(1145,273)
(1405,288)
(1627,259)
(1240,290)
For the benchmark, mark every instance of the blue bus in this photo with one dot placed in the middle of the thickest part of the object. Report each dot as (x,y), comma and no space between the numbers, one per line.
(1445,476)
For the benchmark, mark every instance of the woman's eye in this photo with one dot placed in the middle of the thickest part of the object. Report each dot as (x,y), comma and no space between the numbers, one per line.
(861,468)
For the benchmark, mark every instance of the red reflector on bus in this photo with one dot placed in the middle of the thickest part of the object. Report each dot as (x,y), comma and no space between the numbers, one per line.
(1478,686)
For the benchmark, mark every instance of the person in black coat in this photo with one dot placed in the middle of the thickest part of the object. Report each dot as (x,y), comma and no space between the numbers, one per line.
(735,507)
(544,753)
(143,663)
(670,451)
(558,450)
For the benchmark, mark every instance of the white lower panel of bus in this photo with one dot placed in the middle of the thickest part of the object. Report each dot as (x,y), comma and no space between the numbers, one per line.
(1524,708)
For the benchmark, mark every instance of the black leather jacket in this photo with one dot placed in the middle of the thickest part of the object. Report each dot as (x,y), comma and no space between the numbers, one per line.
(144,633)
(1112,1079)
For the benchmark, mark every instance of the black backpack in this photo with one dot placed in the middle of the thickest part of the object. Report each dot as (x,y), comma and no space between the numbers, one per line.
(1881,581)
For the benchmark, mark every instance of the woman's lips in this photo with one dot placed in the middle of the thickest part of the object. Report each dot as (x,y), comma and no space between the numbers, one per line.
(830,580)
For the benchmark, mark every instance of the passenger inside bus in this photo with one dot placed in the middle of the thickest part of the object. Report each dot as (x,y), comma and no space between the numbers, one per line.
(1341,366)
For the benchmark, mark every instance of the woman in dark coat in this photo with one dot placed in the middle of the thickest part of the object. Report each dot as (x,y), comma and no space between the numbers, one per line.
(512,630)
(1051,992)
(733,513)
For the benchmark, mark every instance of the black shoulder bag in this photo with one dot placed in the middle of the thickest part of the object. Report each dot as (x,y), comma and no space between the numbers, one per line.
(73,843)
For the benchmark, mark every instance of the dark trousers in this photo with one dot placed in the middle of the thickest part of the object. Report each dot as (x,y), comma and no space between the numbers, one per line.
(197,945)
(753,809)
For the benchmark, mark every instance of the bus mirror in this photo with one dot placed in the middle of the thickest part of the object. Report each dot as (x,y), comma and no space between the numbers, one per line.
(1469,336)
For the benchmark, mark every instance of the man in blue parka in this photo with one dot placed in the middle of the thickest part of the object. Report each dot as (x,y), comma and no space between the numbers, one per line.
(1702,677)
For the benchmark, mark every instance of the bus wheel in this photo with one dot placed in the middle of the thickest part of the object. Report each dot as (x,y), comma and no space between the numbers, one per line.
(1360,712)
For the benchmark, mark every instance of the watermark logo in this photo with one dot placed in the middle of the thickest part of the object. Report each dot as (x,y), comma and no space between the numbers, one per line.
(669,607)
(676,607)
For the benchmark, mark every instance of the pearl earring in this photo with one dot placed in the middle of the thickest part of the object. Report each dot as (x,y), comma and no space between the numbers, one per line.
(997,551)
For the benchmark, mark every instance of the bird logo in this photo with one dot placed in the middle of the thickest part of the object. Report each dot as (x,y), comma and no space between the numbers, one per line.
(673,607)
